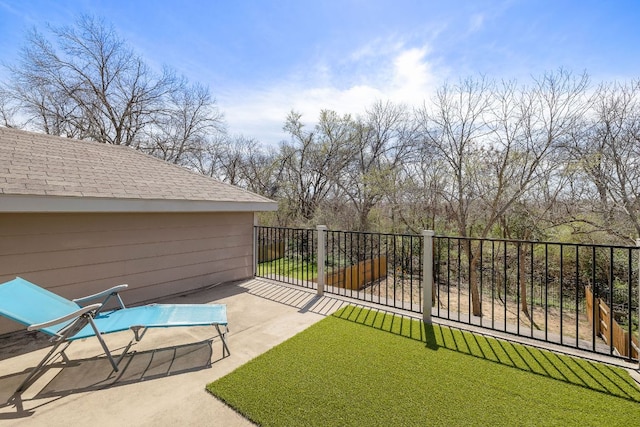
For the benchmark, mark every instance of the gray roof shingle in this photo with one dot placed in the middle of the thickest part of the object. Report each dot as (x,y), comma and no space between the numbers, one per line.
(33,164)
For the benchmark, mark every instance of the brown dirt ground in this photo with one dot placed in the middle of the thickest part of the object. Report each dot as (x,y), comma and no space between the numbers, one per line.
(456,299)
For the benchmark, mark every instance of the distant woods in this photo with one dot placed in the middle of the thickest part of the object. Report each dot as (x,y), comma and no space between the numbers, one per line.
(555,158)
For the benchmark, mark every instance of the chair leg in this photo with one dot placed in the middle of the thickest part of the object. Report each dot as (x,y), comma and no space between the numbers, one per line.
(60,339)
(224,341)
(33,377)
(104,346)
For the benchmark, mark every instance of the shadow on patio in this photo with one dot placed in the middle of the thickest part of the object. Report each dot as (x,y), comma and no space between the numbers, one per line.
(163,378)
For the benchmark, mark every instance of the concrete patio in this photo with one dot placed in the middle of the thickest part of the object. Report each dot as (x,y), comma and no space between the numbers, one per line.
(163,382)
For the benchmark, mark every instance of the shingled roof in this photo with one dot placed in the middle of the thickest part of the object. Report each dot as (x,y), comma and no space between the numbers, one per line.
(44,173)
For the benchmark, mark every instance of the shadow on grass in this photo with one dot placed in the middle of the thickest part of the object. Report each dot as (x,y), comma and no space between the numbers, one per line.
(594,376)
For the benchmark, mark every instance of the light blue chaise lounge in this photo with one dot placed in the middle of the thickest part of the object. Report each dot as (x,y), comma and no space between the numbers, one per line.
(69,320)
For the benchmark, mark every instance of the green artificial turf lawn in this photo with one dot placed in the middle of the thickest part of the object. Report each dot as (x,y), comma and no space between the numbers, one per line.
(363,368)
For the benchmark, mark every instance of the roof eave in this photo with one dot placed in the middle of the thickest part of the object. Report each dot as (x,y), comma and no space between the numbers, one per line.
(34,203)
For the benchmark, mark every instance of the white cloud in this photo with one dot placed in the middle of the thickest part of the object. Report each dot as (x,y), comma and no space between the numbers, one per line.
(413,77)
(375,72)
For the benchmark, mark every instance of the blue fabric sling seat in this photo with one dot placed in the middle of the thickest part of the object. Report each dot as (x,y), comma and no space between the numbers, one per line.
(69,320)
(156,316)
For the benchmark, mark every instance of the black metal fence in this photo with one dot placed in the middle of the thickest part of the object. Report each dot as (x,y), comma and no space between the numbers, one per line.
(287,254)
(556,292)
(381,268)
(581,296)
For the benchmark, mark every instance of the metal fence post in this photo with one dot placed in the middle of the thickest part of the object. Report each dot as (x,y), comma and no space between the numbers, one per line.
(322,229)
(630,320)
(427,274)
(255,244)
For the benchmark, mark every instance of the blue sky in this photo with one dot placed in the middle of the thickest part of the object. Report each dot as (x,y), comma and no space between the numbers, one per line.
(262,59)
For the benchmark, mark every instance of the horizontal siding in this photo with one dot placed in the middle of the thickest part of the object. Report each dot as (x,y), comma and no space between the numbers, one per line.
(156,254)
(104,238)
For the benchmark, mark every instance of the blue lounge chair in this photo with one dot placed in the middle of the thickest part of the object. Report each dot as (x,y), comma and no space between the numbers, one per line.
(66,321)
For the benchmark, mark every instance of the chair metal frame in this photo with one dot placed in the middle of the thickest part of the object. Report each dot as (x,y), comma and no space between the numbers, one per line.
(86,315)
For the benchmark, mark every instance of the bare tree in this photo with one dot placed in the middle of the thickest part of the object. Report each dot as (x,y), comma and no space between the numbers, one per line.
(186,126)
(453,127)
(497,141)
(416,196)
(8,109)
(382,140)
(241,161)
(207,161)
(89,85)
(314,160)
(607,154)
(263,171)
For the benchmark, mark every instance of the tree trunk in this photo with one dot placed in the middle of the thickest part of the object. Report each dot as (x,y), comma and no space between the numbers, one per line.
(474,258)
(522,280)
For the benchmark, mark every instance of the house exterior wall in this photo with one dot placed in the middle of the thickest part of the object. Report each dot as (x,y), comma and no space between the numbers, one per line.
(156,254)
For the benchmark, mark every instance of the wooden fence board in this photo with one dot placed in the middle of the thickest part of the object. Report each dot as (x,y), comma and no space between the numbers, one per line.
(270,251)
(357,276)
(619,336)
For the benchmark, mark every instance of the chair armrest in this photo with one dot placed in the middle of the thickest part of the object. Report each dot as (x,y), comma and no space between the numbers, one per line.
(69,316)
(111,291)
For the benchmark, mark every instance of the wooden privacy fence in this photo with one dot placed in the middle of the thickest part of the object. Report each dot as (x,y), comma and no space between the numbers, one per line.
(619,336)
(269,252)
(357,276)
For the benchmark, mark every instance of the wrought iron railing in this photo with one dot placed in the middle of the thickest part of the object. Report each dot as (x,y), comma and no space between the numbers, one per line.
(286,254)
(375,267)
(541,290)
(575,295)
